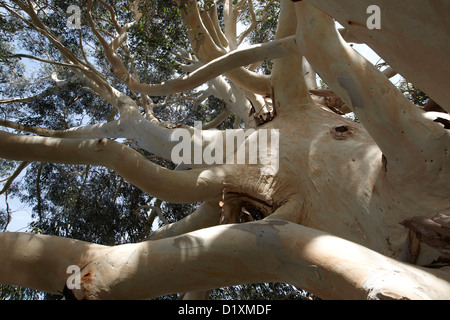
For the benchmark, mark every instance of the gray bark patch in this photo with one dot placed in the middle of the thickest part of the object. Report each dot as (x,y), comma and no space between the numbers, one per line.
(348,84)
(267,235)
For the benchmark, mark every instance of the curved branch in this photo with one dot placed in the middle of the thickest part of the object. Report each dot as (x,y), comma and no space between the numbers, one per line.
(233,96)
(112,129)
(251,27)
(69,65)
(96,81)
(414,26)
(325,265)
(216,67)
(230,19)
(197,185)
(218,120)
(11,178)
(157,209)
(30,129)
(389,117)
(206,50)
(149,135)
(60,85)
(205,216)
(210,20)
(212,12)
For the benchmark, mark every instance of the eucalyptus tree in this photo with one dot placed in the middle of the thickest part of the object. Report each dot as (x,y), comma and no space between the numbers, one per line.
(338,208)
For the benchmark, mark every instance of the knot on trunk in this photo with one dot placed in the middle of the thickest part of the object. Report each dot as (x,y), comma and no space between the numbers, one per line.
(341,132)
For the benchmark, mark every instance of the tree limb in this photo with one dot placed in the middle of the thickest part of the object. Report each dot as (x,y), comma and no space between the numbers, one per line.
(327,266)
(206,50)
(198,184)
(96,81)
(205,216)
(288,81)
(214,68)
(156,208)
(30,129)
(390,118)
(11,178)
(429,66)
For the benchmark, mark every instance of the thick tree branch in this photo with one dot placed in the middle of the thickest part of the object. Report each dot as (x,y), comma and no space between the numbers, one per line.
(214,68)
(11,178)
(390,118)
(233,96)
(206,50)
(429,65)
(327,266)
(205,216)
(198,184)
(288,81)
(148,134)
(26,259)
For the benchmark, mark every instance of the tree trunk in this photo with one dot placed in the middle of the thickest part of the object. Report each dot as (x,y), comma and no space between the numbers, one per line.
(331,207)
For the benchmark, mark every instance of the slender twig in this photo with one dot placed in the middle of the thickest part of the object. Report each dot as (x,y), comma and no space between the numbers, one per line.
(38,191)
(157,209)
(11,178)
(117,190)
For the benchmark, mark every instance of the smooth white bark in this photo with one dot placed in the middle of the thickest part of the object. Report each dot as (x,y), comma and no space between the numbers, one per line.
(274,250)
(135,168)
(419,54)
(390,118)
(357,182)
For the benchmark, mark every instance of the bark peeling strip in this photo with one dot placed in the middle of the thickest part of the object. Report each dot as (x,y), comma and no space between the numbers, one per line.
(348,84)
(381,286)
(188,242)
